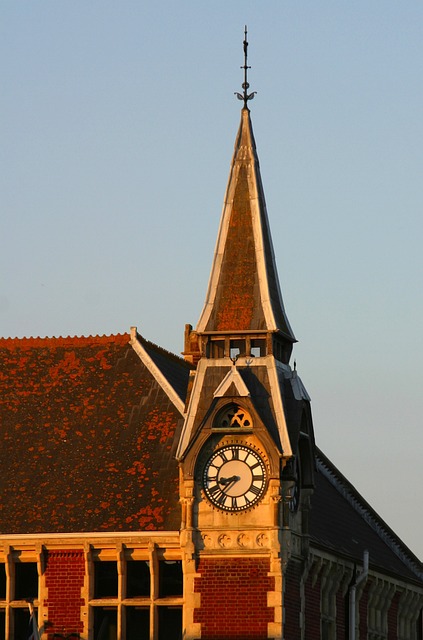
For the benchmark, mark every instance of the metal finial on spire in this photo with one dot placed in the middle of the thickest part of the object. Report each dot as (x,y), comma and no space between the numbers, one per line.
(245,95)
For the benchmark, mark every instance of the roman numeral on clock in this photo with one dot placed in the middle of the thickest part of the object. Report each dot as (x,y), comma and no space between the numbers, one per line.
(221,499)
(234,478)
(255,490)
(215,490)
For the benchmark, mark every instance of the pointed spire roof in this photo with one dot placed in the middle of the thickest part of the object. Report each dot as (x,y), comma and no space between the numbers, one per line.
(244,292)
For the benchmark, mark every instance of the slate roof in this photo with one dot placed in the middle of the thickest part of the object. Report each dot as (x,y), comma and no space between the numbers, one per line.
(343,522)
(88,436)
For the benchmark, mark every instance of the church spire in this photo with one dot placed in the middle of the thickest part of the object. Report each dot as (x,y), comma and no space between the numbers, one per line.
(244,297)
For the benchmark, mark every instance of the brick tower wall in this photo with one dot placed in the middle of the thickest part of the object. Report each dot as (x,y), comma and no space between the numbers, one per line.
(292,601)
(234,598)
(312,609)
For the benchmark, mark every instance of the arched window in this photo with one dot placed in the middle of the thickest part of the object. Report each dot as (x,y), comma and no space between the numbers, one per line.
(233,416)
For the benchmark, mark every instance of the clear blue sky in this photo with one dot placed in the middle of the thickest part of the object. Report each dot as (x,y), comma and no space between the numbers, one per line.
(117,125)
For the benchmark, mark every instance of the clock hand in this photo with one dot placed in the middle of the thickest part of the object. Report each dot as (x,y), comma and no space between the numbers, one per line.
(226,481)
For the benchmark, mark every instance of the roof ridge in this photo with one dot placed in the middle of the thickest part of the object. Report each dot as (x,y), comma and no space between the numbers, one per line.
(369,515)
(165,352)
(32,341)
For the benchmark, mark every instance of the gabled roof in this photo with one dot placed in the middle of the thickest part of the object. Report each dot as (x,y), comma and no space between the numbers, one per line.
(244,292)
(88,436)
(267,385)
(343,522)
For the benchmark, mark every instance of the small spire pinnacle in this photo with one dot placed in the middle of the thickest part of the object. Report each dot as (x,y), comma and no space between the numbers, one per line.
(245,96)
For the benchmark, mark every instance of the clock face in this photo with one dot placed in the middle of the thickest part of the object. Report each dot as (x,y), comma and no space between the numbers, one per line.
(234,478)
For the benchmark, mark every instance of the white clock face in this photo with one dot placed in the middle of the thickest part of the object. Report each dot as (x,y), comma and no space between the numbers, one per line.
(234,478)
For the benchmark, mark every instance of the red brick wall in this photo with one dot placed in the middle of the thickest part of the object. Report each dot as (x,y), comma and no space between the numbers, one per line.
(234,598)
(292,601)
(64,576)
(312,609)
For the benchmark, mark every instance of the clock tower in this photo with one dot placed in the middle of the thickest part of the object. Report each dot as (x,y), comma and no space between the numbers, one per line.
(247,448)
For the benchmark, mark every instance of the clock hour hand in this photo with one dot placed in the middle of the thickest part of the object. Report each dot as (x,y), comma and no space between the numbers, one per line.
(226,481)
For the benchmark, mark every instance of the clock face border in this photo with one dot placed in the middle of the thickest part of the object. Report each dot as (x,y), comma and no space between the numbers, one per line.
(234,478)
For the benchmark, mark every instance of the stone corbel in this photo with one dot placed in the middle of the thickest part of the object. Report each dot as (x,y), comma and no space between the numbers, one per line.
(409,606)
(315,570)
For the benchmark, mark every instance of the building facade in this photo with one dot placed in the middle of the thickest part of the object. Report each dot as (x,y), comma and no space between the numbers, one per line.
(147,496)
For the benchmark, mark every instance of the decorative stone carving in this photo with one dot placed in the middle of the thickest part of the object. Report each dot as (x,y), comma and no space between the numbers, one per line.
(244,540)
(262,540)
(224,541)
(207,541)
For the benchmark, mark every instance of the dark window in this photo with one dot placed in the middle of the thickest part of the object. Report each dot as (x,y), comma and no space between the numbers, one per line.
(237,348)
(2,582)
(170,578)
(170,623)
(218,348)
(137,623)
(137,578)
(2,624)
(105,623)
(258,347)
(105,579)
(26,580)
(326,629)
(21,623)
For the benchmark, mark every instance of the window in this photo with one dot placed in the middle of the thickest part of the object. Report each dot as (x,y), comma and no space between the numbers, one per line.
(331,578)
(328,616)
(105,623)
(217,348)
(105,579)
(233,416)
(237,348)
(137,623)
(137,579)
(170,578)
(136,598)
(26,580)
(380,597)
(14,594)
(410,622)
(20,623)
(2,582)
(258,347)
(170,623)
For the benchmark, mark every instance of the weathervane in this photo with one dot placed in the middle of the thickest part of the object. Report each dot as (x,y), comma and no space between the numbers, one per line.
(245,96)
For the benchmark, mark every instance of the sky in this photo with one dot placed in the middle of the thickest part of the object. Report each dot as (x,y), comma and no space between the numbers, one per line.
(117,125)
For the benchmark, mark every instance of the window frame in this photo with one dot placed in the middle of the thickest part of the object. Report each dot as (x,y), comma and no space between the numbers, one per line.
(9,605)
(121,602)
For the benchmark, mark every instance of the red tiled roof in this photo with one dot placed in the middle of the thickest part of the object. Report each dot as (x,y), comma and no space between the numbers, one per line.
(88,438)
